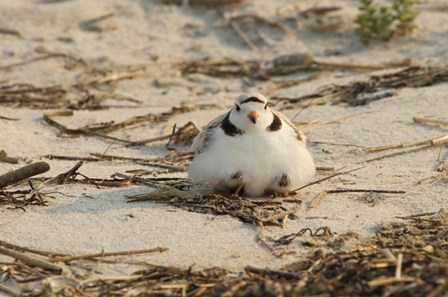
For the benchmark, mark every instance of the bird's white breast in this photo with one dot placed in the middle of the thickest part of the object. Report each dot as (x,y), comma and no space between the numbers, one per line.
(261,157)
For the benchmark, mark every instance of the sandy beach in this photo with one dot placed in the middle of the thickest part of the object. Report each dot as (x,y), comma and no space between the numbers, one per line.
(109,61)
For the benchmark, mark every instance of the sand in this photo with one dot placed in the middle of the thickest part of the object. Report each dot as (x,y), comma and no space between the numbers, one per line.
(83,219)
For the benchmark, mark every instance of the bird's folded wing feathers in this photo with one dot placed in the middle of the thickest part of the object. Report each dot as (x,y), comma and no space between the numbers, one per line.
(201,140)
(299,134)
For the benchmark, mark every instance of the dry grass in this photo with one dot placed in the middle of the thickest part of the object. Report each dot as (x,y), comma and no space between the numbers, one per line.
(403,260)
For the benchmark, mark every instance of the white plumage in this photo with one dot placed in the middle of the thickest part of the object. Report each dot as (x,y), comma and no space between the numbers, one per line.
(253,147)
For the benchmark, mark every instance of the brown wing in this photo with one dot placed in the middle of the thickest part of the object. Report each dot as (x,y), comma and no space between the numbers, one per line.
(299,134)
(201,141)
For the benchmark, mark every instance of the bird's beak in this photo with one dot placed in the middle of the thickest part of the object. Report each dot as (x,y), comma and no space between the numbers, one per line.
(253,116)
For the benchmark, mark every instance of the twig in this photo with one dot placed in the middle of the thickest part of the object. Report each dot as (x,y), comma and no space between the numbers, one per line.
(337,144)
(87,132)
(271,273)
(389,255)
(243,36)
(432,141)
(111,254)
(396,154)
(210,3)
(317,123)
(30,260)
(25,249)
(61,113)
(287,239)
(399,266)
(432,122)
(139,161)
(71,158)
(417,215)
(139,180)
(62,178)
(92,24)
(45,57)
(150,140)
(114,77)
(10,291)
(382,281)
(114,158)
(328,177)
(365,191)
(10,32)
(316,200)
(172,168)
(8,119)
(342,65)
(120,278)
(23,173)
(324,168)
(439,289)
(443,164)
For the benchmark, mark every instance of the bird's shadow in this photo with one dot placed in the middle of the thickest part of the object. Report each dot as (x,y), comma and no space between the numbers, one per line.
(105,201)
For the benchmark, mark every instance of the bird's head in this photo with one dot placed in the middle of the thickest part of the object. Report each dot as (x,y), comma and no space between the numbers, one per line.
(251,112)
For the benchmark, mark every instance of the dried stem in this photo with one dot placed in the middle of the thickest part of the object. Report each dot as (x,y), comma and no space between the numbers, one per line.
(365,191)
(33,261)
(328,177)
(111,254)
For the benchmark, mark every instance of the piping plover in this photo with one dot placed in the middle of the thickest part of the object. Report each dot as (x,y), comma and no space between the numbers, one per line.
(253,149)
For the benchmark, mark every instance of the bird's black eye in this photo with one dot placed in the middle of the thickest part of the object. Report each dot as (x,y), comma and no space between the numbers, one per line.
(266,106)
(237,107)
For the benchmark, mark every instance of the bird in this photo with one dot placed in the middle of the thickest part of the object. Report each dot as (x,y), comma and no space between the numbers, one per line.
(251,150)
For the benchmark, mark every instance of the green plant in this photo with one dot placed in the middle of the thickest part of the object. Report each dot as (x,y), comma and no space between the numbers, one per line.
(384,22)
(405,15)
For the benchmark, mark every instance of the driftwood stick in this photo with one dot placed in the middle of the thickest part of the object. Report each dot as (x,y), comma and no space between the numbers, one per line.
(33,261)
(111,254)
(23,173)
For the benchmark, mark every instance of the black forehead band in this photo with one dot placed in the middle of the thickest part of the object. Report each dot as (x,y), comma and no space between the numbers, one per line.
(253,99)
